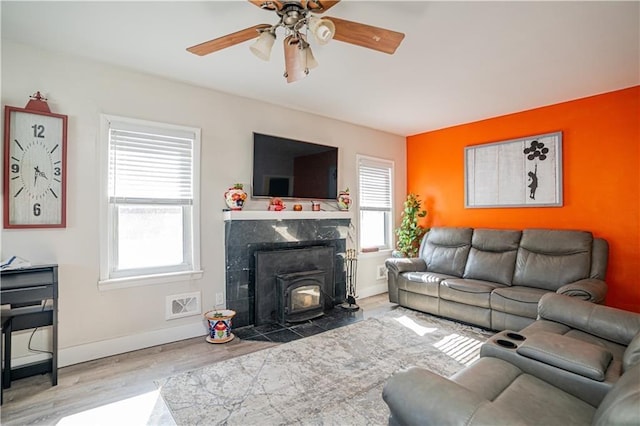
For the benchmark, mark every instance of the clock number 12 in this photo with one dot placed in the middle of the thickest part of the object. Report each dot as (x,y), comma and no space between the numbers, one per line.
(38,130)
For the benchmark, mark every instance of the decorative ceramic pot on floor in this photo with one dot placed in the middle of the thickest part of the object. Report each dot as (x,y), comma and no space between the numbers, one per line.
(219,322)
(235,197)
(344,200)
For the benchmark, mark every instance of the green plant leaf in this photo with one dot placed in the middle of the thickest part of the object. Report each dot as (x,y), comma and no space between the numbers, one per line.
(410,233)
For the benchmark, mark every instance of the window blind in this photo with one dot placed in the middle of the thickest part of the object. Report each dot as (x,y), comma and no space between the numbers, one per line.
(147,165)
(375,185)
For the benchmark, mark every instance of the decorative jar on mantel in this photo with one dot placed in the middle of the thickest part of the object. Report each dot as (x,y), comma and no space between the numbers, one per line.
(235,197)
(344,200)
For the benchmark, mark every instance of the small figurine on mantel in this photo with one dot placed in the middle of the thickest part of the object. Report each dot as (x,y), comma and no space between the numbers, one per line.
(344,200)
(276,204)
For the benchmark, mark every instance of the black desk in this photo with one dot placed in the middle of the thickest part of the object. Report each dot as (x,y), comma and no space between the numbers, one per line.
(25,290)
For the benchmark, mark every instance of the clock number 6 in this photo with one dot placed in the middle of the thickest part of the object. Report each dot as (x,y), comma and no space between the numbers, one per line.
(36,209)
(38,130)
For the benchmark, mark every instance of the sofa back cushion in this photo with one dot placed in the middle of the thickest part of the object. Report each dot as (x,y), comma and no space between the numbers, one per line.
(549,259)
(599,259)
(631,355)
(445,250)
(606,322)
(620,405)
(492,256)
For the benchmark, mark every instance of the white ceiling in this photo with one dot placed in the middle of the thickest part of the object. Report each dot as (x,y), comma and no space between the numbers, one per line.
(459,62)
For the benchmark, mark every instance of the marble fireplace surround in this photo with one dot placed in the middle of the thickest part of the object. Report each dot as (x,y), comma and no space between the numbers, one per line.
(247,232)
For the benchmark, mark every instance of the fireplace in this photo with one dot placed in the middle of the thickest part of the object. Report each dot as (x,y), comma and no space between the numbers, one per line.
(300,296)
(245,293)
(294,284)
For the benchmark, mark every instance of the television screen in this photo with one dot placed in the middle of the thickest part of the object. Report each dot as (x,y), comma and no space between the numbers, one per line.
(293,169)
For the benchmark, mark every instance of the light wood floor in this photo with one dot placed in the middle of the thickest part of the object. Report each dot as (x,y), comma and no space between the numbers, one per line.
(120,389)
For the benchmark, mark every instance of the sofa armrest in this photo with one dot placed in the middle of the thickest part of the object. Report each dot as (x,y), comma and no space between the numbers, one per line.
(590,289)
(398,265)
(603,321)
(418,396)
(569,354)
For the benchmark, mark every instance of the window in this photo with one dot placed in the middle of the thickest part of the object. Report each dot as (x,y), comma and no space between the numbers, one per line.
(150,221)
(375,182)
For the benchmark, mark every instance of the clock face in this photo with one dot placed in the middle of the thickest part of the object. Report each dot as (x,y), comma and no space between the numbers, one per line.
(36,161)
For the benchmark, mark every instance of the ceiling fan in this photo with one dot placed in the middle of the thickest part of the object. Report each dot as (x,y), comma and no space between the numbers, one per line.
(298,18)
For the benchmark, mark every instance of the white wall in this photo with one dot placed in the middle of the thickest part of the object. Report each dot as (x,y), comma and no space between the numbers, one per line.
(97,323)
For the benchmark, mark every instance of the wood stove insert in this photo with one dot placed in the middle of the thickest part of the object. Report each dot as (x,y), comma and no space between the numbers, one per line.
(294,284)
(300,296)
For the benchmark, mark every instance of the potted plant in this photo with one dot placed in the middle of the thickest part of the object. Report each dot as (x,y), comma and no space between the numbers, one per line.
(410,233)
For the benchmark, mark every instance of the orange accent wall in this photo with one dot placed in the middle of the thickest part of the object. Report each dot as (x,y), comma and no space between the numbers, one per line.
(601,181)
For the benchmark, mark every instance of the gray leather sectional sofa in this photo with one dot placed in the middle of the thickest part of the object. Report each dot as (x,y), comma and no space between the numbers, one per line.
(494,278)
(578,364)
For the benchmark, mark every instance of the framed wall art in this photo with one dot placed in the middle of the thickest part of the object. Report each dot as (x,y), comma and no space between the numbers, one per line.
(524,172)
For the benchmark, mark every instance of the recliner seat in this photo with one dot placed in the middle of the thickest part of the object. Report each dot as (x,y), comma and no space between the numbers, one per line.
(578,364)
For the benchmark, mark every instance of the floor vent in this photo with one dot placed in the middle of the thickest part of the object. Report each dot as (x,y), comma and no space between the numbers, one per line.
(183,305)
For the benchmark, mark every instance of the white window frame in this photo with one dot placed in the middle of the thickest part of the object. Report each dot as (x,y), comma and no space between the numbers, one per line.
(390,236)
(108,280)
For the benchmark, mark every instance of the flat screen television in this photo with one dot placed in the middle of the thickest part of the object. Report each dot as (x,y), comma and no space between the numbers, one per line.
(290,168)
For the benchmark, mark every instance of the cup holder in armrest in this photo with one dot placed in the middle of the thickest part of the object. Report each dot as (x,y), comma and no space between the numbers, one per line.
(516,336)
(506,344)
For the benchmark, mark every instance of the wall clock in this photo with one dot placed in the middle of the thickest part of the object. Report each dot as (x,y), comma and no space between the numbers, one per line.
(35,155)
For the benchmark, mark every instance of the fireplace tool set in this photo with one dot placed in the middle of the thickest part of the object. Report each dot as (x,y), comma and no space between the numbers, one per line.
(351,266)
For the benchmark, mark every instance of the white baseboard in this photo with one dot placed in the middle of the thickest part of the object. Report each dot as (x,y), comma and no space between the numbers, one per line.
(373,290)
(100,349)
(104,348)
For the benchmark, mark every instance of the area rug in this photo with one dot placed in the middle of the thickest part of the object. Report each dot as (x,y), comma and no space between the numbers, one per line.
(333,378)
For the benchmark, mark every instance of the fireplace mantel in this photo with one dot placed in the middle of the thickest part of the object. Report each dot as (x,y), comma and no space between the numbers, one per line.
(282,215)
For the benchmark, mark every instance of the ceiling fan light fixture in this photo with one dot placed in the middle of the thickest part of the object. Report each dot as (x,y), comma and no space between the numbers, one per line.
(322,29)
(263,45)
(309,59)
(293,60)
(306,54)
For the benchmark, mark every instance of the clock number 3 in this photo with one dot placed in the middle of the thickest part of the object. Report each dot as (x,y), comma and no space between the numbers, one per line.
(38,130)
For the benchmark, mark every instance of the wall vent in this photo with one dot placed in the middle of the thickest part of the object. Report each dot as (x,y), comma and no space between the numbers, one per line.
(183,305)
(381,272)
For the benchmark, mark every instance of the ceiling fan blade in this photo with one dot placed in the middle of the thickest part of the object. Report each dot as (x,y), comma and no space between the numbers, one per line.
(267,4)
(320,6)
(368,36)
(227,41)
